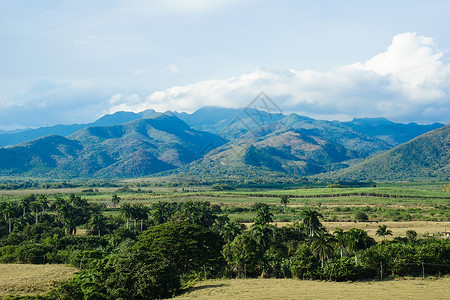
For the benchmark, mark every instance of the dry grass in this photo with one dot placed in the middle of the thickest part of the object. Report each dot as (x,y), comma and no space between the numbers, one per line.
(300,289)
(398,228)
(26,279)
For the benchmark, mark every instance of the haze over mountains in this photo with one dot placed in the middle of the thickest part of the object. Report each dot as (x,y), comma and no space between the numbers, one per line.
(219,142)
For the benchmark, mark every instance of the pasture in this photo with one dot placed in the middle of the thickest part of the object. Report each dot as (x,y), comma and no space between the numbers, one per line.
(246,289)
(27,279)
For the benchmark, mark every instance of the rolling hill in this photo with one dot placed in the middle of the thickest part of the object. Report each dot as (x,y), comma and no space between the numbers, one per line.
(427,156)
(9,138)
(138,148)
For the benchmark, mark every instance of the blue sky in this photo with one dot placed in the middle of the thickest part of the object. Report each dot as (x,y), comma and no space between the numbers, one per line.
(72,61)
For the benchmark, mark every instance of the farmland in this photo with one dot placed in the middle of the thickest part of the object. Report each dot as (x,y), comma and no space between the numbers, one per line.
(123,223)
(27,279)
(294,289)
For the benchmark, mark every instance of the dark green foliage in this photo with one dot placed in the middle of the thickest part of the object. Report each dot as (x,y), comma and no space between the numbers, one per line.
(341,269)
(243,256)
(361,216)
(138,275)
(304,263)
(188,246)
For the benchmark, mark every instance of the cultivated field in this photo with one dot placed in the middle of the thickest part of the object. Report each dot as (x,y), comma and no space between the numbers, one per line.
(25,279)
(302,289)
(423,228)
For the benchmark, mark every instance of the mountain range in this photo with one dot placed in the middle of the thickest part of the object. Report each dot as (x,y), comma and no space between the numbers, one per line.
(222,142)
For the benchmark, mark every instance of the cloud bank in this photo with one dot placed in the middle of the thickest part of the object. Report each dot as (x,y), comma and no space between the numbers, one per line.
(409,81)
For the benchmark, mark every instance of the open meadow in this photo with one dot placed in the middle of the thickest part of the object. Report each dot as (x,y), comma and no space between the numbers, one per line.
(28,279)
(246,289)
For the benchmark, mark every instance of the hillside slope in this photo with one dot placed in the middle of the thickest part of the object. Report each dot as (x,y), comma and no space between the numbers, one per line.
(13,138)
(145,146)
(423,157)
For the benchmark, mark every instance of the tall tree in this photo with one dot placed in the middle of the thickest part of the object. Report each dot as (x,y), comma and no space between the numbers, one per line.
(98,223)
(126,210)
(383,231)
(8,211)
(311,220)
(284,200)
(43,202)
(340,237)
(322,245)
(357,239)
(263,215)
(115,200)
(36,207)
(25,203)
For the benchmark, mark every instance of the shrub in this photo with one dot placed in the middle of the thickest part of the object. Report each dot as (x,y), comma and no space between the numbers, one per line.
(304,263)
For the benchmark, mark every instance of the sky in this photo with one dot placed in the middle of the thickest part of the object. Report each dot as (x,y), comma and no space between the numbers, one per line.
(65,62)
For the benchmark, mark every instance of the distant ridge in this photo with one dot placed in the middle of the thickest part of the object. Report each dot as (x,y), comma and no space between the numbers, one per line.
(427,156)
(141,147)
(13,138)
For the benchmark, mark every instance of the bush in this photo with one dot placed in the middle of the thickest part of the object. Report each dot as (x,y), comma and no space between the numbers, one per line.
(189,246)
(342,269)
(304,263)
(138,275)
(361,216)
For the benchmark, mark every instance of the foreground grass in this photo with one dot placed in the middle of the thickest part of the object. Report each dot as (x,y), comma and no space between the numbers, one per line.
(27,279)
(302,289)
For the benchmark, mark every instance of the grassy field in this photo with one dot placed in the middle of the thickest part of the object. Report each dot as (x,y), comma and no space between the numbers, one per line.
(26,279)
(300,289)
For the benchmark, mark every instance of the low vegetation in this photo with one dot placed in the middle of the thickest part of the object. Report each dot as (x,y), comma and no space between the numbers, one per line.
(147,241)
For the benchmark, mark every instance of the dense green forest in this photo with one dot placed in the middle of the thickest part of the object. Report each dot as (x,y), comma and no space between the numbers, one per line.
(148,250)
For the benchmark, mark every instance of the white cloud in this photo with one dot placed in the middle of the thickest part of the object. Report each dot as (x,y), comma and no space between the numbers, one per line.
(174,69)
(407,82)
(189,6)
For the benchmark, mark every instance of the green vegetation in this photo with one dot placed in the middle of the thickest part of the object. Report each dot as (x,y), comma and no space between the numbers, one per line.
(156,239)
(424,157)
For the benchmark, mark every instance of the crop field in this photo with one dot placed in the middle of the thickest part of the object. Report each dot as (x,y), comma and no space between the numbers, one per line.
(27,279)
(388,202)
(304,289)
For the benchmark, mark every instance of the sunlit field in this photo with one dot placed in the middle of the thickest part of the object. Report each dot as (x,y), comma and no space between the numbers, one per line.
(27,279)
(303,289)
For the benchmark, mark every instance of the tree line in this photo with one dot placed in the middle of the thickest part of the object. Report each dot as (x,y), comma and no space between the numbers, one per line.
(150,252)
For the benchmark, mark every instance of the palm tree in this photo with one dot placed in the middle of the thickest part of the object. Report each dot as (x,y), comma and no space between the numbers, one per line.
(98,223)
(43,202)
(230,230)
(263,215)
(340,237)
(383,231)
(411,234)
(127,211)
(8,212)
(70,226)
(357,239)
(57,204)
(25,203)
(322,245)
(263,234)
(115,200)
(36,207)
(284,199)
(162,212)
(311,220)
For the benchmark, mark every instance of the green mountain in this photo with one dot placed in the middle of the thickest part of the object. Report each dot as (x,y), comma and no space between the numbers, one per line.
(141,147)
(423,157)
(268,150)
(8,138)
(302,146)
